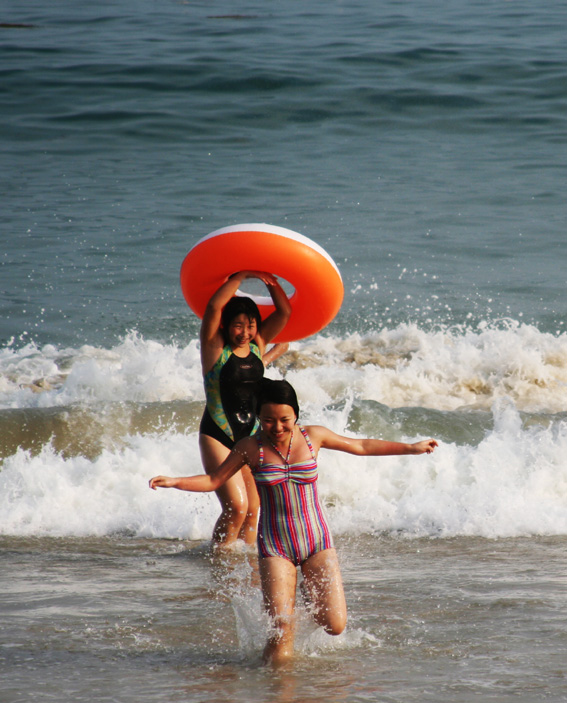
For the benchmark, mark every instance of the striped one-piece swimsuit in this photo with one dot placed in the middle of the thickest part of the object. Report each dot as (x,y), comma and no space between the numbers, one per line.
(292,521)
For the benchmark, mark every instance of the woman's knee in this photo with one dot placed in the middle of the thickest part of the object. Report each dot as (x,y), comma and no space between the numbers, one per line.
(236,505)
(335,623)
(324,590)
(252,514)
(330,615)
(253,504)
(233,499)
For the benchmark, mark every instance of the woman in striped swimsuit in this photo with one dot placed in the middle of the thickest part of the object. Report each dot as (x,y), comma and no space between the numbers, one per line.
(293,530)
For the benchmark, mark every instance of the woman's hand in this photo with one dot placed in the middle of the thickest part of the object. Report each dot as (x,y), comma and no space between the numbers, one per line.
(426,446)
(267,278)
(161,482)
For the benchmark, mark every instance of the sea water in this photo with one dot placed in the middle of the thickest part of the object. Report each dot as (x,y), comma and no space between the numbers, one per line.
(423,146)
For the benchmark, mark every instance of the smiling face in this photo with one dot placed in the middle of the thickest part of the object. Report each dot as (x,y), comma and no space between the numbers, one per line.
(277,421)
(238,313)
(241,330)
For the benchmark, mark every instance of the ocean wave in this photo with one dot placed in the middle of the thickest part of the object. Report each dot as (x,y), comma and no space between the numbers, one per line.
(447,368)
(512,483)
(84,429)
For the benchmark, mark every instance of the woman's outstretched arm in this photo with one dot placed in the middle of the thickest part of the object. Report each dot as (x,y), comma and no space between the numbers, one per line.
(324,438)
(202,483)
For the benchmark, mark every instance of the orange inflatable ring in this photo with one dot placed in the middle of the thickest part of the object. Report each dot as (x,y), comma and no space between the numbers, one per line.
(318,287)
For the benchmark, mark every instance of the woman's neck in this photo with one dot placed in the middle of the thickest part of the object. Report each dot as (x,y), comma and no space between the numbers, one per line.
(283,447)
(243,352)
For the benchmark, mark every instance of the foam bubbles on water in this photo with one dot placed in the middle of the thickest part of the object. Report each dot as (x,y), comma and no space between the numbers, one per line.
(135,370)
(507,477)
(445,369)
(52,495)
(513,483)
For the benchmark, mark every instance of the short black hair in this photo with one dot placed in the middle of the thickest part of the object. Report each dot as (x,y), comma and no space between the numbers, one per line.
(279,392)
(237,306)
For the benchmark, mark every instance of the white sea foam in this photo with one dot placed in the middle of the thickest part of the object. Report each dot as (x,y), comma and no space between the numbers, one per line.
(137,369)
(445,369)
(51,495)
(511,482)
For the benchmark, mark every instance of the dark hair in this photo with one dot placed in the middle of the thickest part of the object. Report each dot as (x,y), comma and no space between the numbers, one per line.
(236,306)
(279,392)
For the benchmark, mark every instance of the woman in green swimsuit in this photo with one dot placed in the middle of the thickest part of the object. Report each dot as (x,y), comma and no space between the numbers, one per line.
(233,342)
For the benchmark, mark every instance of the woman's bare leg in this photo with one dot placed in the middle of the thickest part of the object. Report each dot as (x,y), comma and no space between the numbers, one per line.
(279,581)
(249,527)
(232,495)
(324,587)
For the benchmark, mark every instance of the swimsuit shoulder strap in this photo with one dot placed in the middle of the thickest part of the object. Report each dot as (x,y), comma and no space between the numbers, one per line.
(306,437)
(260,449)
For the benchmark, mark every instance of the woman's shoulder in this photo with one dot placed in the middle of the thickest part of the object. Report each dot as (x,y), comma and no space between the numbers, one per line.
(314,429)
(215,359)
(316,434)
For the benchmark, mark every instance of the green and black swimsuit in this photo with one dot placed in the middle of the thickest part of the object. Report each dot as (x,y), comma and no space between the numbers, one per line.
(231,389)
